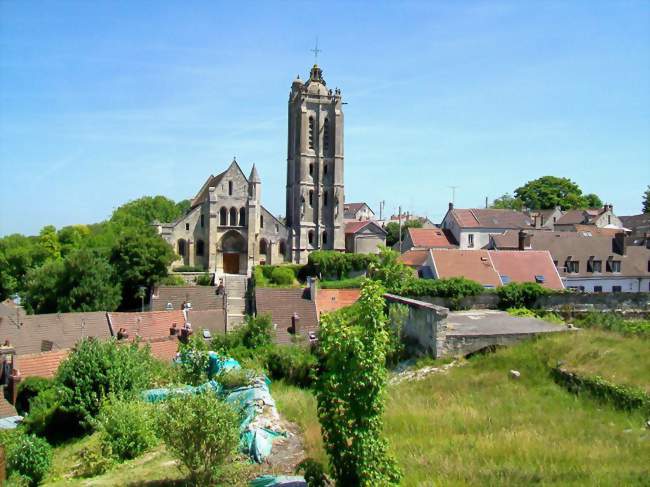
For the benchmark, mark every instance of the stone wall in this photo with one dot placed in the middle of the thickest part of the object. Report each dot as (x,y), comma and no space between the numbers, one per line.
(425,328)
(461,345)
(571,303)
(482,301)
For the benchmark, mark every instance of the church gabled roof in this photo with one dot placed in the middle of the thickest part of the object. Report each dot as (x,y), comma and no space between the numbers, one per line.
(214,181)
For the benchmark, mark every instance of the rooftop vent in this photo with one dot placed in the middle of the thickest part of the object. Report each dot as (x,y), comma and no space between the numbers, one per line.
(539,279)
(505,279)
(169,307)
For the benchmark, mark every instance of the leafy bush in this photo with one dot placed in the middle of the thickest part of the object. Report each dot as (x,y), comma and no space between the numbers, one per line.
(313,472)
(520,295)
(29,456)
(294,364)
(188,268)
(93,460)
(202,432)
(194,361)
(397,315)
(28,389)
(204,279)
(234,378)
(47,418)
(257,331)
(282,276)
(127,427)
(330,263)
(95,369)
(615,322)
(172,280)
(521,312)
(392,273)
(351,283)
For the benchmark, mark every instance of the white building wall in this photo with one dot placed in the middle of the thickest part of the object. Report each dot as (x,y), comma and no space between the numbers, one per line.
(628,285)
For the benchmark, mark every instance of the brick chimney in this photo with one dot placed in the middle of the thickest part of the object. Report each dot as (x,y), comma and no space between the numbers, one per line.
(451,206)
(620,243)
(524,240)
(312,282)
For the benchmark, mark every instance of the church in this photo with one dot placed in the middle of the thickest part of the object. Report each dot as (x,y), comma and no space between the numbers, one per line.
(228,231)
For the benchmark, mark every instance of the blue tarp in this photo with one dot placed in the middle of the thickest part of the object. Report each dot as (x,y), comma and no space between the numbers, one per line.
(278,481)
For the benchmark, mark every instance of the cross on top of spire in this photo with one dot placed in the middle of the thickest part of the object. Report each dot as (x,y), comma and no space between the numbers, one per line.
(315,50)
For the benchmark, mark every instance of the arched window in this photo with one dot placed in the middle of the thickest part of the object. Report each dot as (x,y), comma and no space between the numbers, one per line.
(324,240)
(326,136)
(264,247)
(223,216)
(283,248)
(311,197)
(199,247)
(261,221)
(181,247)
(325,198)
(242,217)
(311,170)
(310,237)
(311,132)
(233,217)
(230,188)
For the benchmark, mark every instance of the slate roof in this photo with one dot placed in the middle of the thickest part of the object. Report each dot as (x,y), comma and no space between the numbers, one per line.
(154,324)
(328,300)
(52,331)
(414,258)
(281,304)
(42,364)
(201,297)
(428,238)
(525,266)
(490,218)
(471,264)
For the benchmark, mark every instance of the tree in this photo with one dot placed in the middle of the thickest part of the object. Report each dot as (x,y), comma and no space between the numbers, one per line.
(49,243)
(350,391)
(507,202)
(140,258)
(393,230)
(549,191)
(83,281)
(148,209)
(72,237)
(646,201)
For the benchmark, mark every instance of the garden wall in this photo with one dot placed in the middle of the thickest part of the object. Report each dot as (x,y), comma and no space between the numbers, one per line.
(570,303)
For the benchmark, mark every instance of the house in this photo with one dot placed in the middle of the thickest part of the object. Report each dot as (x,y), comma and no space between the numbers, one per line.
(545,219)
(495,268)
(427,238)
(364,237)
(599,217)
(293,312)
(357,212)
(416,259)
(471,228)
(638,226)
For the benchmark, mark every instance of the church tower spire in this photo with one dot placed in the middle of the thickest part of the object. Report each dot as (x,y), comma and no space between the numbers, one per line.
(315,191)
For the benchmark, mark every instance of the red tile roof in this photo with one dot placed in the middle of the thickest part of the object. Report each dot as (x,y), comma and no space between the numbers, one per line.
(490,218)
(354,227)
(201,297)
(428,238)
(164,349)
(153,324)
(7,410)
(471,264)
(328,300)
(525,266)
(281,304)
(414,258)
(44,364)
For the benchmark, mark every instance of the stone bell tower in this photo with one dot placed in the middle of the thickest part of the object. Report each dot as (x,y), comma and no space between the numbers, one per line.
(315,194)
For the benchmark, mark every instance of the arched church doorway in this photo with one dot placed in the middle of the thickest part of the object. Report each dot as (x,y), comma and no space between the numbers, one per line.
(232,246)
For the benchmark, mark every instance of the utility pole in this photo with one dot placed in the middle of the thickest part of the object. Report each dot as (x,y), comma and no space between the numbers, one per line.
(399,216)
(381,210)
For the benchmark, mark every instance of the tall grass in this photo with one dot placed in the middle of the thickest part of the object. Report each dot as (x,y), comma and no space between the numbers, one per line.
(615,322)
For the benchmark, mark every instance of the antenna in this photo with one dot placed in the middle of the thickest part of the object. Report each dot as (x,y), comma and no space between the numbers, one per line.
(453,193)
(315,50)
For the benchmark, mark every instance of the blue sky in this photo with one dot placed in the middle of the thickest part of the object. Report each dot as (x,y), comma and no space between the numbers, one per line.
(103,102)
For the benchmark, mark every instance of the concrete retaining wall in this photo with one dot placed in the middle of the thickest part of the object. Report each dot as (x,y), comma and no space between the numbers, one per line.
(466,344)
(571,303)
(482,301)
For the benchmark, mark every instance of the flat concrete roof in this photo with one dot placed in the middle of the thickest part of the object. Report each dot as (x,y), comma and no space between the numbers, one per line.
(491,322)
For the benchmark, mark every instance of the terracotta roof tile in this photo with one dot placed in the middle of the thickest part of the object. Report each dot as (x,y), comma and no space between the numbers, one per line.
(164,349)
(201,297)
(43,364)
(153,324)
(428,238)
(471,264)
(490,218)
(525,266)
(414,258)
(328,300)
(281,304)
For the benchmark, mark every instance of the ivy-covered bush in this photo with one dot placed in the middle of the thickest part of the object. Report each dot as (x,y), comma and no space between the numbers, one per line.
(127,427)
(293,364)
(30,457)
(282,276)
(194,359)
(96,369)
(454,289)
(263,275)
(520,295)
(330,263)
(28,389)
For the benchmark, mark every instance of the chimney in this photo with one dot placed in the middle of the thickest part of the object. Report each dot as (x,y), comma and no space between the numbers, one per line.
(524,240)
(451,206)
(312,282)
(620,243)
(295,324)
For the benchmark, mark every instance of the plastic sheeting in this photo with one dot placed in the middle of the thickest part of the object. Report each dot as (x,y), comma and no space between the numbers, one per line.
(278,481)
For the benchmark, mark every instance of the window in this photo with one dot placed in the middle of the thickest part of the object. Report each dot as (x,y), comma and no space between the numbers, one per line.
(311,197)
(181,247)
(242,217)
(223,216)
(187,226)
(572,266)
(311,132)
(229,188)
(613,266)
(263,247)
(233,217)
(598,289)
(311,170)
(324,242)
(283,248)
(325,169)
(199,247)
(609,219)
(595,266)
(649,266)
(310,237)
(616,289)
(470,240)
(325,198)
(261,221)
(202,221)
(326,136)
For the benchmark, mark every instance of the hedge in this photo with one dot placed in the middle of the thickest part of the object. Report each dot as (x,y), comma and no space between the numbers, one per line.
(330,263)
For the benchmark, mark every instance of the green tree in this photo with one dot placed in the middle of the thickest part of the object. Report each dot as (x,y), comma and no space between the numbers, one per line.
(18,255)
(507,202)
(393,274)
(148,209)
(49,243)
(350,391)
(72,237)
(550,191)
(646,201)
(393,230)
(140,258)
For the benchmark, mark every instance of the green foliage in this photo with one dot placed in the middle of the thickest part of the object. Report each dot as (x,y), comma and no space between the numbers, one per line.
(148,209)
(393,274)
(392,230)
(172,280)
(263,275)
(615,322)
(507,202)
(645,204)
(330,263)
(194,361)
(72,238)
(49,243)
(549,191)
(351,283)
(204,279)
(202,432)
(257,331)
(188,268)
(28,389)
(397,315)
(350,391)
(521,312)
(94,460)
(234,378)
(313,472)
(282,276)
(29,456)
(454,288)
(520,295)
(96,369)
(127,427)
(47,419)
(140,258)
(294,364)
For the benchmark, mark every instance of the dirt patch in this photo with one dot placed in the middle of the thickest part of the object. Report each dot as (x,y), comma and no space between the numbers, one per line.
(286,453)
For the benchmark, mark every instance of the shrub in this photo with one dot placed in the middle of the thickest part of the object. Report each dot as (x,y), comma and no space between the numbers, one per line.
(47,418)
(330,263)
(127,427)
(95,369)
(615,322)
(351,283)
(282,276)
(204,279)
(294,364)
(234,378)
(397,315)
(257,331)
(202,432)
(28,389)
(93,460)
(194,361)
(29,456)
(520,295)
(188,268)
(313,472)
(392,273)
(172,280)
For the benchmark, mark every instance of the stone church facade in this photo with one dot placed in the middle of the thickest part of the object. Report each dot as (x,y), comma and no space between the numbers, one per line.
(228,231)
